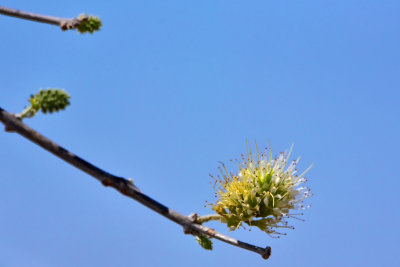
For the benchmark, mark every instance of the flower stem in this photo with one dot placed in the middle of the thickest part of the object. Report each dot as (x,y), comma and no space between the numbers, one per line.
(24,113)
(207,218)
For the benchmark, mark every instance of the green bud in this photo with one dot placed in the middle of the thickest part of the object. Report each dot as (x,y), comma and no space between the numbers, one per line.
(204,241)
(48,101)
(90,24)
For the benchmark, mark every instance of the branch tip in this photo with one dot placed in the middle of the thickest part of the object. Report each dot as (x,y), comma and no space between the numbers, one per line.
(267,253)
(83,23)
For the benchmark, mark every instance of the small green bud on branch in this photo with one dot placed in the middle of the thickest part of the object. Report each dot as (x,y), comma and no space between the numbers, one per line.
(88,24)
(50,100)
(204,241)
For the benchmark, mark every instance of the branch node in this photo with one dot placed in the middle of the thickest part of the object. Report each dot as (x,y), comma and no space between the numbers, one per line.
(107,182)
(69,24)
(10,127)
(187,230)
(193,217)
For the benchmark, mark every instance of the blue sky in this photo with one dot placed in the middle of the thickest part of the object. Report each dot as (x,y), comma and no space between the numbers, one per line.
(169,88)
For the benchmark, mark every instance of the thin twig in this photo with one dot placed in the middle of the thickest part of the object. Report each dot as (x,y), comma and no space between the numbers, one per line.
(64,23)
(124,186)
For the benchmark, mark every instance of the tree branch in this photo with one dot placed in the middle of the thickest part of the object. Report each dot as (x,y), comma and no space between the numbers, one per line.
(124,186)
(64,23)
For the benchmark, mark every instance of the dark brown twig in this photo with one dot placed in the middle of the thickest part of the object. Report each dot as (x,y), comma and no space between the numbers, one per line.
(63,23)
(124,186)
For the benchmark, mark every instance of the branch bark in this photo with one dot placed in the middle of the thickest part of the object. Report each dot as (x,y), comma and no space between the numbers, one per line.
(124,186)
(63,23)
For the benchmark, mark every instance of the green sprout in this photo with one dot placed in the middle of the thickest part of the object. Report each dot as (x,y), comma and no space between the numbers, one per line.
(262,193)
(204,241)
(49,100)
(88,24)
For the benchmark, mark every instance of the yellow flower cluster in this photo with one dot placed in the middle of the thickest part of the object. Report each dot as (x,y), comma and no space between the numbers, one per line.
(263,193)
